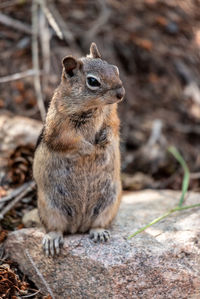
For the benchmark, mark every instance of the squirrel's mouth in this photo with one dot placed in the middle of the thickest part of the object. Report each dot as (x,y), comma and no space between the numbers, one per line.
(115,95)
(118,95)
(113,101)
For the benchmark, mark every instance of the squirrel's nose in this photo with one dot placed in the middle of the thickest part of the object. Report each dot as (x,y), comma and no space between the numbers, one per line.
(120,92)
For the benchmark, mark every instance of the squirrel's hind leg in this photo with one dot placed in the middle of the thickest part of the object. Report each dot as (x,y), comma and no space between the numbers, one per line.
(98,231)
(54,223)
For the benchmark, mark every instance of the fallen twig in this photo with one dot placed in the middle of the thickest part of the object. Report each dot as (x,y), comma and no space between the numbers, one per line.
(16,24)
(31,295)
(100,21)
(8,3)
(39,274)
(50,18)
(27,188)
(58,19)
(13,194)
(18,76)
(35,59)
(45,37)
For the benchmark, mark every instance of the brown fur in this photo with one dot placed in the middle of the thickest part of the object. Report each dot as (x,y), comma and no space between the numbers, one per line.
(77,162)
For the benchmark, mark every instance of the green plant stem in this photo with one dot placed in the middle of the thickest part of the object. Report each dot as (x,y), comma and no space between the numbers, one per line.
(185,185)
(186,178)
(178,208)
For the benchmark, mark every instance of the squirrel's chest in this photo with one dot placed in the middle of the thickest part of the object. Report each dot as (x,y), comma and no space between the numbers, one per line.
(88,171)
(88,184)
(89,133)
(87,125)
(99,162)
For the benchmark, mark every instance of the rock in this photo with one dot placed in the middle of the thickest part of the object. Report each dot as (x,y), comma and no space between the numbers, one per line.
(162,262)
(17,131)
(31,218)
(18,137)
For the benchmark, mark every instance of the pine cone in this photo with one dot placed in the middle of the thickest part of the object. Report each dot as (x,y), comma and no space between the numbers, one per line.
(20,165)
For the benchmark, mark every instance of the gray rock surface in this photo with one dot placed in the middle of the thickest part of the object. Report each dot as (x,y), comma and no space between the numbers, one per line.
(162,262)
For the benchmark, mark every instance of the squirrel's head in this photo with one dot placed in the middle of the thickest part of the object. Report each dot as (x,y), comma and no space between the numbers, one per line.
(91,81)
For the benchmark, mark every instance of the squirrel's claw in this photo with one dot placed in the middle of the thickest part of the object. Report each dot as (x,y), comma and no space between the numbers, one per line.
(52,243)
(99,234)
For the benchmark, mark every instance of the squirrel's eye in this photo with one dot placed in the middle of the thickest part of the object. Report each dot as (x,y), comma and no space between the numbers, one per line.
(92,83)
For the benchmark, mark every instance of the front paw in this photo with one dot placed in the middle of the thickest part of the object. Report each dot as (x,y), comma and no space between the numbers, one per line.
(102,137)
(52,242)
(99,235)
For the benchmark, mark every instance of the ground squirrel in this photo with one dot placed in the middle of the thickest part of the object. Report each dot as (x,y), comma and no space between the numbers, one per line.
(77,160)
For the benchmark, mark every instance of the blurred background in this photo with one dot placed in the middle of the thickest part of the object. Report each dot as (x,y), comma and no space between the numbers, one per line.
(155,44)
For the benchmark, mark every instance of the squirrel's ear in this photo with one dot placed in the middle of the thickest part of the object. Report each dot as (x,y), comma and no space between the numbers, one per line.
(71,65)
(94,52)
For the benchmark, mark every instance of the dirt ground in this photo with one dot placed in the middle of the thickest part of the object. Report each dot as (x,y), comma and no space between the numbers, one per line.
(155,44)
